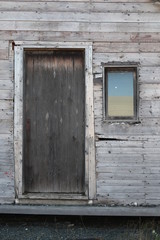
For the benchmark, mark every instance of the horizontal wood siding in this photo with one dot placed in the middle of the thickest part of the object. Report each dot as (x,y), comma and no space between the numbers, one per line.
(6,125)
(127,155)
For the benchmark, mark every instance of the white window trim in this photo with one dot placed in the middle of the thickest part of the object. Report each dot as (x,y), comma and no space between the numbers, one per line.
(90,178)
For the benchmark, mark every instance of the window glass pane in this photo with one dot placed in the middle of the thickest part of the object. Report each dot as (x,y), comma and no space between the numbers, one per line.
(120,94)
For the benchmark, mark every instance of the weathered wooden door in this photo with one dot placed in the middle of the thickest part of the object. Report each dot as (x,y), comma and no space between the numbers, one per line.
(54,121)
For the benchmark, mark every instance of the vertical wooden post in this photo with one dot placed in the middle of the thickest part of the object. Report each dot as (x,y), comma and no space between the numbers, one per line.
(18,119)
(90,141)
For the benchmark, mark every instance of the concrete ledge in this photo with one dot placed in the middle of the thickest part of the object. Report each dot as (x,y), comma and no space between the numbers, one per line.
(80,210)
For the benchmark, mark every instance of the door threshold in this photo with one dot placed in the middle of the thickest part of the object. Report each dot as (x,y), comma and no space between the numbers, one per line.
(54,196)
(64,202)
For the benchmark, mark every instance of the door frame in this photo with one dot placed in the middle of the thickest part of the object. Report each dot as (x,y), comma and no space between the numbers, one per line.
(90,178)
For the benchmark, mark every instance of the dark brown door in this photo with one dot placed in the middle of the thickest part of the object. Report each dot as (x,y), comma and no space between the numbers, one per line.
(54,121)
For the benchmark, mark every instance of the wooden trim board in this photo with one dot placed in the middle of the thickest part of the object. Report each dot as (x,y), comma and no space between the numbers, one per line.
(81,210)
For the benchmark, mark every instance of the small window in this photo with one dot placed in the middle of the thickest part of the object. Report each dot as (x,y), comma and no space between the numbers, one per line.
(120,93)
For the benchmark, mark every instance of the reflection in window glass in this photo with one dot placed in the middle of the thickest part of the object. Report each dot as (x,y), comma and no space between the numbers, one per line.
(120,94)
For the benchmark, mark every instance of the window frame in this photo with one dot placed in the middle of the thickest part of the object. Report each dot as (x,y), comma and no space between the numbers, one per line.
(120,68)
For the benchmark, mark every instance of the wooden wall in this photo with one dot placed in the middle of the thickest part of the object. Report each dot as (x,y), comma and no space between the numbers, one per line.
(6,124)
(128,167)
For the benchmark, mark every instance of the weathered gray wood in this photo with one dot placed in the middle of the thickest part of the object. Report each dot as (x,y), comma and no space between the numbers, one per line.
(5,114)
(153,196)
(145,59)
(128,175)
(81,210)
(121,31)
(6,104)
(54,121)
(68,6)
(121,1)
(121,198)
(82,17)
(124,170)
(121,183)
(127,160)
(103,47)
(6,84)
(5,74)
(4,50)
(78,6)
(108,190)
(4,65)
(29,1)
(149,74)
(106,6)
(89,132)
(6,137)
(119,176)
(127,164)
(150,108)
(149,91)
(18,120)
(137,128)
(6,126)
(82,26)
(82,36)
(6,168)
(119,144)
(139,187)
(53,196)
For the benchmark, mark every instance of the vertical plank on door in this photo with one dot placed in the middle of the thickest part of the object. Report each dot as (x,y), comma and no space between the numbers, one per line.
(54,110)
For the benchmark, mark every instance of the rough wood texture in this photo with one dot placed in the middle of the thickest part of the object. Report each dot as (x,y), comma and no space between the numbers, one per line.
(54,121)
(78,6)
(6,125)
(127,155)
(4,50)
(81,210)
(89,126)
